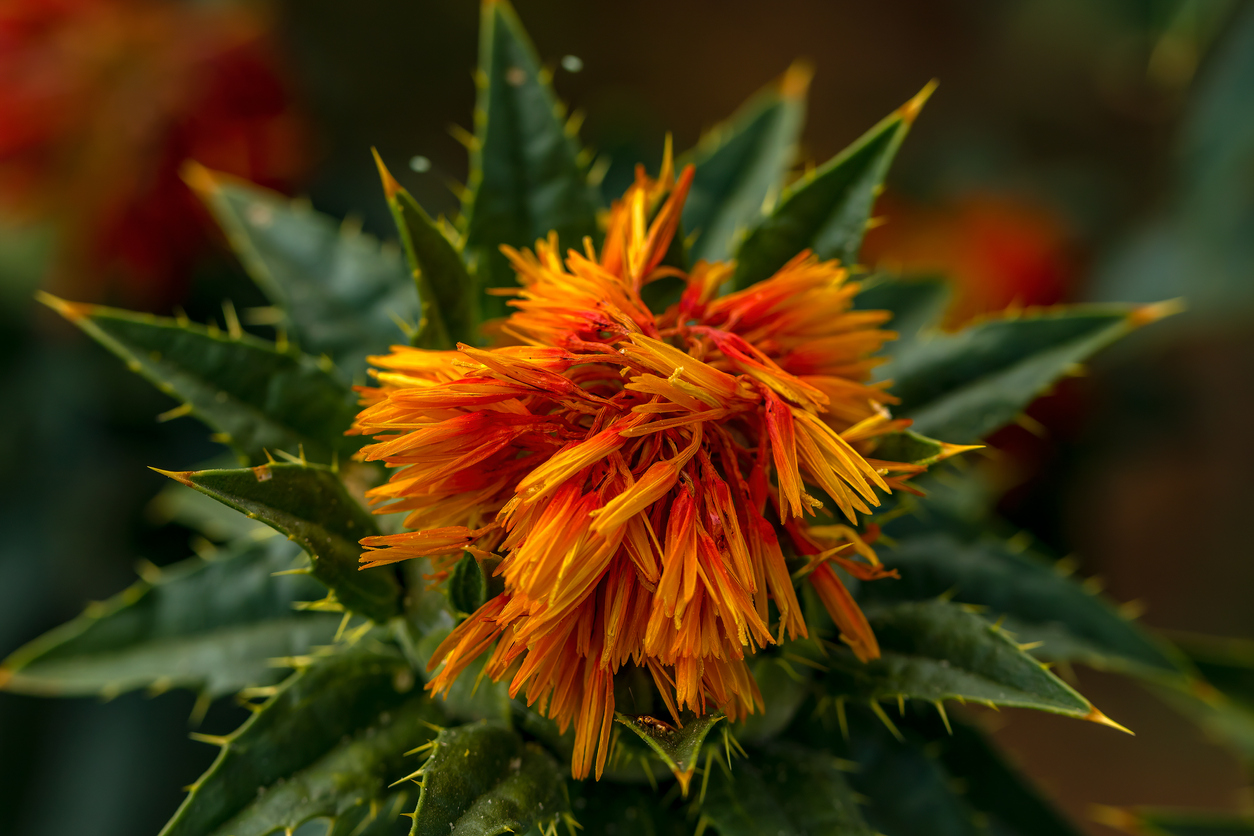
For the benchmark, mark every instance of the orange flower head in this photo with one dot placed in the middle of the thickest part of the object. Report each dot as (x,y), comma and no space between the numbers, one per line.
(634,470)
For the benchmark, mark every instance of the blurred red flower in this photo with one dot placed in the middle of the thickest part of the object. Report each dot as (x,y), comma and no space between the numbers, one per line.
(997,251)
(101,101)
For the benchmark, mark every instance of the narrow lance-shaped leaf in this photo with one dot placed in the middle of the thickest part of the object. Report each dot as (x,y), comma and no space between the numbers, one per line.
(482,780)
(937,651)
(908,791)
(1222,702)
(828,210)
(255,396)
(448,297)
(741,164)
(962,386)
(331,739)
(309,504)
(783,789)
(1039,603)
(526,177)
(341,293)
(211,625)
(679,748)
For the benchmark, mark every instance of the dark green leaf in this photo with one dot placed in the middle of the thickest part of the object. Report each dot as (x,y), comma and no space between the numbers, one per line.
(994,787)
(603,808)
(741,164)
(384,819)
(429,614)
(448,297)
(332,738)
(202,514)
(1224,702)
(211,625)
(908,447)
(309,504)
(678,748)
(342,293)
(481,780)
(916,304)
(785,790)
(936,651)
(257,397)
(525,174)
(1226,663)
(960,387)
(784,687)
(827,211)
(1040,603)
(908,790)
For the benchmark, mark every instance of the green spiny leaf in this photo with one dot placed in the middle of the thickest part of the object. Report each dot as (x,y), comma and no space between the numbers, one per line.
(936,651)
(525,174)
(257,397)
(373,819)
(341,293)
(741,164)
(784,789)
(1040,603)
(827,211)
(202,514)
(309,504)
(907,790)
(481,780)
(331,738)
(211,625)
(349,783)
(448,297)
(908,447)
(678,748)
(960,387)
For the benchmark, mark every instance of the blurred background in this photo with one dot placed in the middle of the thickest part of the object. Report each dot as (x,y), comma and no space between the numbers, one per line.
(1076,150)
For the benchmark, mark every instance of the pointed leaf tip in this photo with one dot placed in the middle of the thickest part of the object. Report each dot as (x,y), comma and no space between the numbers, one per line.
(390,187)
(910,110)
(795,82)
(73,311)
(1114,817)
(199,179)
(1146,314)
(1096,716)
(183,476)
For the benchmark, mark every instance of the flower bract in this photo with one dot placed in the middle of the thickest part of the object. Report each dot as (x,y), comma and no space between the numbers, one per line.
(653,477)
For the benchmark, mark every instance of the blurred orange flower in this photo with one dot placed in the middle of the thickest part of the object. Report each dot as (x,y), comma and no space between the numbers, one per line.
(101,101)
(997,251)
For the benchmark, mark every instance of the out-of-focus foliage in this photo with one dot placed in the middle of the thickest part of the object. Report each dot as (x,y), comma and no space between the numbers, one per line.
(956,782)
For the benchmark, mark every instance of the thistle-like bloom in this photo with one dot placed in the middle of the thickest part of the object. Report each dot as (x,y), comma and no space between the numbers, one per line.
(635,470)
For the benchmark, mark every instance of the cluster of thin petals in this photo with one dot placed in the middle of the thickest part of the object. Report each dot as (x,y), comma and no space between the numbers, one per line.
(644,477)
